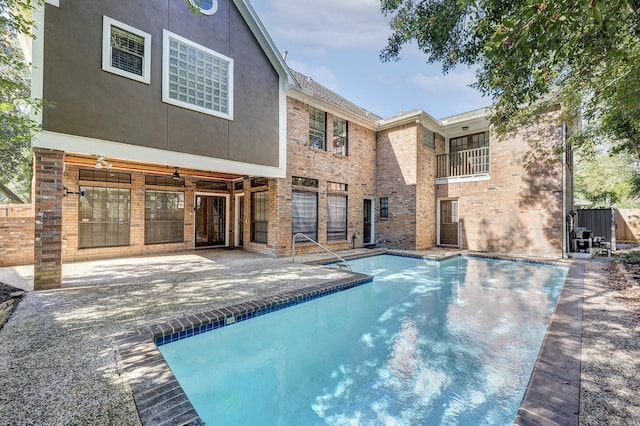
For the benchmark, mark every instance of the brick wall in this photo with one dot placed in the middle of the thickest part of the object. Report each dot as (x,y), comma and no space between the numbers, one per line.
(357,170)
(426,220)
(17,233)
(70,250)
(520,209)
(48,187)
(397,179)
(16,244)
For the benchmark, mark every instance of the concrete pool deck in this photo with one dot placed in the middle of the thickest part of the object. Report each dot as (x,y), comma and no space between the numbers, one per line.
(59,357)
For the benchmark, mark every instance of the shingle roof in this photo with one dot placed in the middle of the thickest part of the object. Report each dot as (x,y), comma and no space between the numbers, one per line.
(307,83)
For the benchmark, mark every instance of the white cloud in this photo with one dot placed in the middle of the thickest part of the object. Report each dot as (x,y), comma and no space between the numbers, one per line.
(318,26)
(441,84)
(320,74)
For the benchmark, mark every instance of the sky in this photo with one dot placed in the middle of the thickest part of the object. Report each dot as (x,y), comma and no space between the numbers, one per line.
(338,43)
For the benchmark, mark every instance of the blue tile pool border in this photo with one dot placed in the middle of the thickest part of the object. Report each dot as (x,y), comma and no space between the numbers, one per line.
(208,321)
(160,399)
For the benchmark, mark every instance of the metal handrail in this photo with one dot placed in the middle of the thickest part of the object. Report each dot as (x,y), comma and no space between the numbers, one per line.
(300,234)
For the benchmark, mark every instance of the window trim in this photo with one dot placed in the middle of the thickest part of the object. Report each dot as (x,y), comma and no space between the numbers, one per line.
(312,112)
(211,11)
(346,217)
(149,223)
(384,207)
(344,152)
(166,35)
(107,24)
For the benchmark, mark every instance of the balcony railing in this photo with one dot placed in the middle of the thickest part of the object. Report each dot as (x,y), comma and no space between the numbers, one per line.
(463,163)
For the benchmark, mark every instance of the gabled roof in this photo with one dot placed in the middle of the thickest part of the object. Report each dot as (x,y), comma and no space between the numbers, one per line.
(260,33)
(320,92)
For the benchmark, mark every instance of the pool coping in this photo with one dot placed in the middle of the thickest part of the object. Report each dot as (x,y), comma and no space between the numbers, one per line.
(551,396)
(158,396)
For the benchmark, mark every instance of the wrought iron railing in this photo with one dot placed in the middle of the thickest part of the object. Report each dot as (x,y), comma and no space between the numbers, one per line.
(463,163)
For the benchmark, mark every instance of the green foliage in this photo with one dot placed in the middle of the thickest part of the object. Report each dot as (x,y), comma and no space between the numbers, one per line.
(533,54)
(608,179)
(16,128)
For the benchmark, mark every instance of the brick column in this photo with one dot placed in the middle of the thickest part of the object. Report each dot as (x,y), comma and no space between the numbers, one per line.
(48,168)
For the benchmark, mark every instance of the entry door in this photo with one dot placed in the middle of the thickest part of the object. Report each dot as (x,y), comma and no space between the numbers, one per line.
(449,223)
(366,222)
(210,221)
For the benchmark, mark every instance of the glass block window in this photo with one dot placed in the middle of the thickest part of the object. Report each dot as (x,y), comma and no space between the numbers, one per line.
(477,140)
(305,215)
(196,78)
(384,207)
(104,217)
(340,136)
(300,181)
(126,51)
(336,217)
(428,138)
(317,128)
(163,217)
(259,217)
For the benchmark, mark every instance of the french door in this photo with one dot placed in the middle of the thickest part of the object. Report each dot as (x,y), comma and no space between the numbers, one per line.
(210,221)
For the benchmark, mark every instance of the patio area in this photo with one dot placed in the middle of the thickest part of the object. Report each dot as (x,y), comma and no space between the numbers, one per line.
(59,362)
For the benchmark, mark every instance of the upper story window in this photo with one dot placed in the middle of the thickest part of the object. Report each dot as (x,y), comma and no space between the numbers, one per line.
(126,51)
(428,138)
(196,78)
(340,136)
(476,140)
(317,128)
(206,7)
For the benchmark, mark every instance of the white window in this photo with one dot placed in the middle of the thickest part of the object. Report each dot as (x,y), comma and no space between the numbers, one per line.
(126,51)
(206,7)
(196,78)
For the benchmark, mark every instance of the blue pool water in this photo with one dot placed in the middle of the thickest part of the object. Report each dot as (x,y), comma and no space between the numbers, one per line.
(425,343)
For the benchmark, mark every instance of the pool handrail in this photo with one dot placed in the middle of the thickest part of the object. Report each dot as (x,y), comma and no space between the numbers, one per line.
(300,234)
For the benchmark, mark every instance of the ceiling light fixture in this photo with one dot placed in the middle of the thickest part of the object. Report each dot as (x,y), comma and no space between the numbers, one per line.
(175,175)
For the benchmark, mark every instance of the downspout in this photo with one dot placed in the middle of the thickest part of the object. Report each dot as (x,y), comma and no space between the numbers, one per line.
(565,234)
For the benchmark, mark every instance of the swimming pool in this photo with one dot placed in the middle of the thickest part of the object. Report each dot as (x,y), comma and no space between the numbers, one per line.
(426,343)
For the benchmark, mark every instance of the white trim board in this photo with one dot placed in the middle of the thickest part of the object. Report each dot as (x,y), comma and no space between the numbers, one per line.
(124,151)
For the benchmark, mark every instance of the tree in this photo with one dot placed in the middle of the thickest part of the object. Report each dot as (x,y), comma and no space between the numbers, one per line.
(16,127)
(608,179)
(533,54)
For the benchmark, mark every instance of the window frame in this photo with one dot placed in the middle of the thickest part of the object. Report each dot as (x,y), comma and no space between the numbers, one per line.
(212,10)
(311,234)
(254,221)
(332,236)
(344,147)
(107,24)
(162,222)
(166,38)
(384,207)
(315,132)
(107,220)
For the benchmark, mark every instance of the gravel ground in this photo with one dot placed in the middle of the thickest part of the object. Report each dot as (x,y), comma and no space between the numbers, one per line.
(610,385)
(58,363)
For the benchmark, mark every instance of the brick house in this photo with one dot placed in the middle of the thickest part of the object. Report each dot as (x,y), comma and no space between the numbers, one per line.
(171,131)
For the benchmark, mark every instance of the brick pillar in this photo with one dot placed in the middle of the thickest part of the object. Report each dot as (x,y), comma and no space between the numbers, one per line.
(48,167)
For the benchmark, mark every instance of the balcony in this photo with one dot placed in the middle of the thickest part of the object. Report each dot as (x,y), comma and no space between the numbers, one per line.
(471,162)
